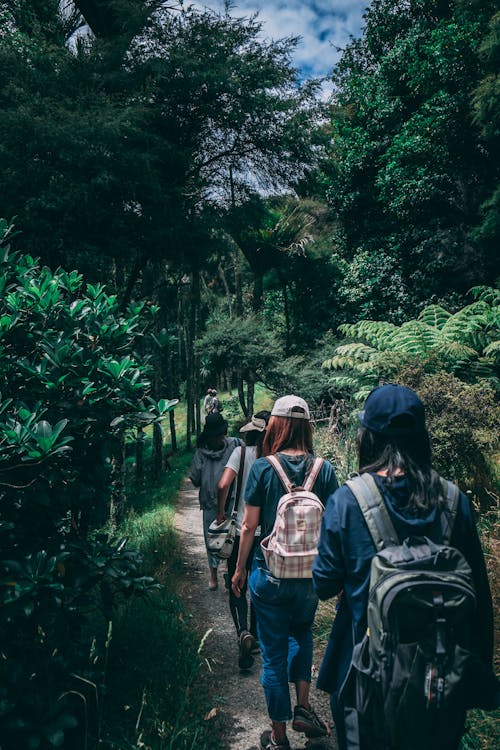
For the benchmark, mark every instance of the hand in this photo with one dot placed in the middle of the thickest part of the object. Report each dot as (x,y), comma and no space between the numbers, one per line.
(220,517)
(238,581)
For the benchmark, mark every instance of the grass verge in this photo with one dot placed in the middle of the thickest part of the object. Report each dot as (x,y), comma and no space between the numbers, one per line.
(152,699)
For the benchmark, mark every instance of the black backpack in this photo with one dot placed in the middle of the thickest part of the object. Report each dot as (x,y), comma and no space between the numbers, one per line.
(414,674)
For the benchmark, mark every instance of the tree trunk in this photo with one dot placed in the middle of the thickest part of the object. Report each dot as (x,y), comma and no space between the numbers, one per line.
(117,506)
(250,398)
(139,453)
(227,290)
(173,434)
(157,466)
(241,395)
(258,292)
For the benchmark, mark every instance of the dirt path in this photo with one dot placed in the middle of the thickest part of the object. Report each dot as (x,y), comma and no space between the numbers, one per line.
(238,700)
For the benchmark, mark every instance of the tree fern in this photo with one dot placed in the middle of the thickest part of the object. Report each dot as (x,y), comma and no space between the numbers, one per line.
(434,316)
(466,343)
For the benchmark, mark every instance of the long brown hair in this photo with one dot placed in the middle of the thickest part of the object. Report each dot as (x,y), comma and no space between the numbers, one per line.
(287,432)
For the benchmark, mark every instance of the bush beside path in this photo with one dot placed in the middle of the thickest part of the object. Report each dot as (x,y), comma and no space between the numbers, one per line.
(238,710)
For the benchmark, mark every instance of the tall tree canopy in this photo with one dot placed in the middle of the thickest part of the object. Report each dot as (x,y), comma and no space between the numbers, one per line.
(410,168)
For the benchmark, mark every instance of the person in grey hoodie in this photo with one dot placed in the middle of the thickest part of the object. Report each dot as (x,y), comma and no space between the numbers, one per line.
(210,459)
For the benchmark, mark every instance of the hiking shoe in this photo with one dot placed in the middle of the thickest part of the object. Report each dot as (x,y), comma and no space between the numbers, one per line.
(256,645)
(306,720)
(268,743)
(246,643)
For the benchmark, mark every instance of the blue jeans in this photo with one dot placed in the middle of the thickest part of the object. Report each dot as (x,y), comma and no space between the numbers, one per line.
(285,610)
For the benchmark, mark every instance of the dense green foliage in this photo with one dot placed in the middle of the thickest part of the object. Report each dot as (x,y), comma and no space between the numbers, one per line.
(410,170)
(68,372)
(465,343)
(175,154)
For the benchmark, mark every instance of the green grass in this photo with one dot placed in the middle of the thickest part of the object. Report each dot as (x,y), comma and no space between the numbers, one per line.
(153,657)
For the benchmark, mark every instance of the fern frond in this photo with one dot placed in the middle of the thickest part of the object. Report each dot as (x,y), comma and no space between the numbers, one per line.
(455,352)
(348,355)
(415,337)
(434,316)
(493,350)
(486,293)
(374,332)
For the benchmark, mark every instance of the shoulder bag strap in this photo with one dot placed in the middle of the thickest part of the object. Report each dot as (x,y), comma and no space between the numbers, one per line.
(312,474)
(449,514)
(374,509)
(239,481)
(277,466)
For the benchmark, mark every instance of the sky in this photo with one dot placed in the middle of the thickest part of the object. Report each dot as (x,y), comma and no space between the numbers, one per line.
(323,25)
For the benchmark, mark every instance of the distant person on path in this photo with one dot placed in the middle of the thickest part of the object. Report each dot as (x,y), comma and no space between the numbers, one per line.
(254,433)
(216,404)
(394,448)
(212,454)
(208,402)
(285,607)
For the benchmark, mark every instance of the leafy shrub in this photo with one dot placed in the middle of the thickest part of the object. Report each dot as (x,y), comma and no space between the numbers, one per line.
(463,421)
(68,373)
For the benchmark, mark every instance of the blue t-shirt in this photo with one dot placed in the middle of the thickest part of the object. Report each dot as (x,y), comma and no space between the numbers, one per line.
(264,488)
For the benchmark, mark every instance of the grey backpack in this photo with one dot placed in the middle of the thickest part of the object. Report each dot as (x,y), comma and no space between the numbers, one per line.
(410,678)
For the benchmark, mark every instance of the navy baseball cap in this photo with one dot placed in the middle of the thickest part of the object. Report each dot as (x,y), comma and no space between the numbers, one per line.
(393,408)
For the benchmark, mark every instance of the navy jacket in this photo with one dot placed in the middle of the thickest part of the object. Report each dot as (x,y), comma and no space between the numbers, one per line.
(343,563)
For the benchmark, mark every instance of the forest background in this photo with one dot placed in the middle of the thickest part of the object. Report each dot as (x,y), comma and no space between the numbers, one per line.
(183,211)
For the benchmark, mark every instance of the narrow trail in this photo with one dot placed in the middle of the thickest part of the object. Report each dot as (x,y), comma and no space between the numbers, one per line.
(238,705)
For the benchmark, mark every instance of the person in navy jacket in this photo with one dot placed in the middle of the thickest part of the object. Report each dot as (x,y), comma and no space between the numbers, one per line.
(394,446)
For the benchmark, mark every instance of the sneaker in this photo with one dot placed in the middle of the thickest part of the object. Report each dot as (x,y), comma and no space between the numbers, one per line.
(256,645)
(268,743)
(306,720)
(246,643)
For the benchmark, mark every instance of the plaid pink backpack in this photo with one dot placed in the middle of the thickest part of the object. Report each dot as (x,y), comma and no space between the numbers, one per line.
(292,545)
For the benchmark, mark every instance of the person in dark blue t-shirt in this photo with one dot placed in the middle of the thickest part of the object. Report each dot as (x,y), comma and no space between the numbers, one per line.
(394,448)
(284,607)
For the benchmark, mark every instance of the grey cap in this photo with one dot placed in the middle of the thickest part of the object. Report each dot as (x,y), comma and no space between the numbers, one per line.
(255,424)
(286,406)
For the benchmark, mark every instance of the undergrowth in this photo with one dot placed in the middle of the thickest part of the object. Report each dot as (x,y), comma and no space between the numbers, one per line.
(152,697)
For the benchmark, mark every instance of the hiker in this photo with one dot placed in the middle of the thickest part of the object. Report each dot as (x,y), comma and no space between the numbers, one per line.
(213,451)
(208,402)
(242,459)
(216,403)
(284,607)
(394,449)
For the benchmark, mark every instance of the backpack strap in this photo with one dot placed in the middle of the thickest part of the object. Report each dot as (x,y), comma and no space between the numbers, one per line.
(448,514)
(312,474)
(276,464)
(374,509)
(239,482)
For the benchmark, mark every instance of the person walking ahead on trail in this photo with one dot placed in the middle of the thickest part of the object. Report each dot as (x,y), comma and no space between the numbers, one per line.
(285,607)
(394,449)
(208,402)
(213,452)
(254,433)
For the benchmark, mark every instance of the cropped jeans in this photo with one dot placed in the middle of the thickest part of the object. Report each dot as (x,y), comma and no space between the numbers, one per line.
(285,610)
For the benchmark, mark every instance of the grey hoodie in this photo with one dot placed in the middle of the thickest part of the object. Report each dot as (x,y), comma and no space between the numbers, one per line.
(206,470)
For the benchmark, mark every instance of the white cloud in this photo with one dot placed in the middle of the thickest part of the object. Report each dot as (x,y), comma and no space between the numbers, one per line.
(323,25)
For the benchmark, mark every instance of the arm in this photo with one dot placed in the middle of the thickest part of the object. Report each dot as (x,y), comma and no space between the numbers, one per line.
(250,523)
(195,469)
(328,568)
(225,482)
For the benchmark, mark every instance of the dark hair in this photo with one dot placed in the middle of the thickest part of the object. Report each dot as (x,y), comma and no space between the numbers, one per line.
(287,432)
(407,451)
(256,437)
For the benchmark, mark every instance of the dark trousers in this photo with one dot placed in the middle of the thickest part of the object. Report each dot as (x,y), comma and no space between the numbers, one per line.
(239,605)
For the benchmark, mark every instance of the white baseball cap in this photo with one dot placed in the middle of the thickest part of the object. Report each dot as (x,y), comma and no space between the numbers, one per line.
(286,406)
